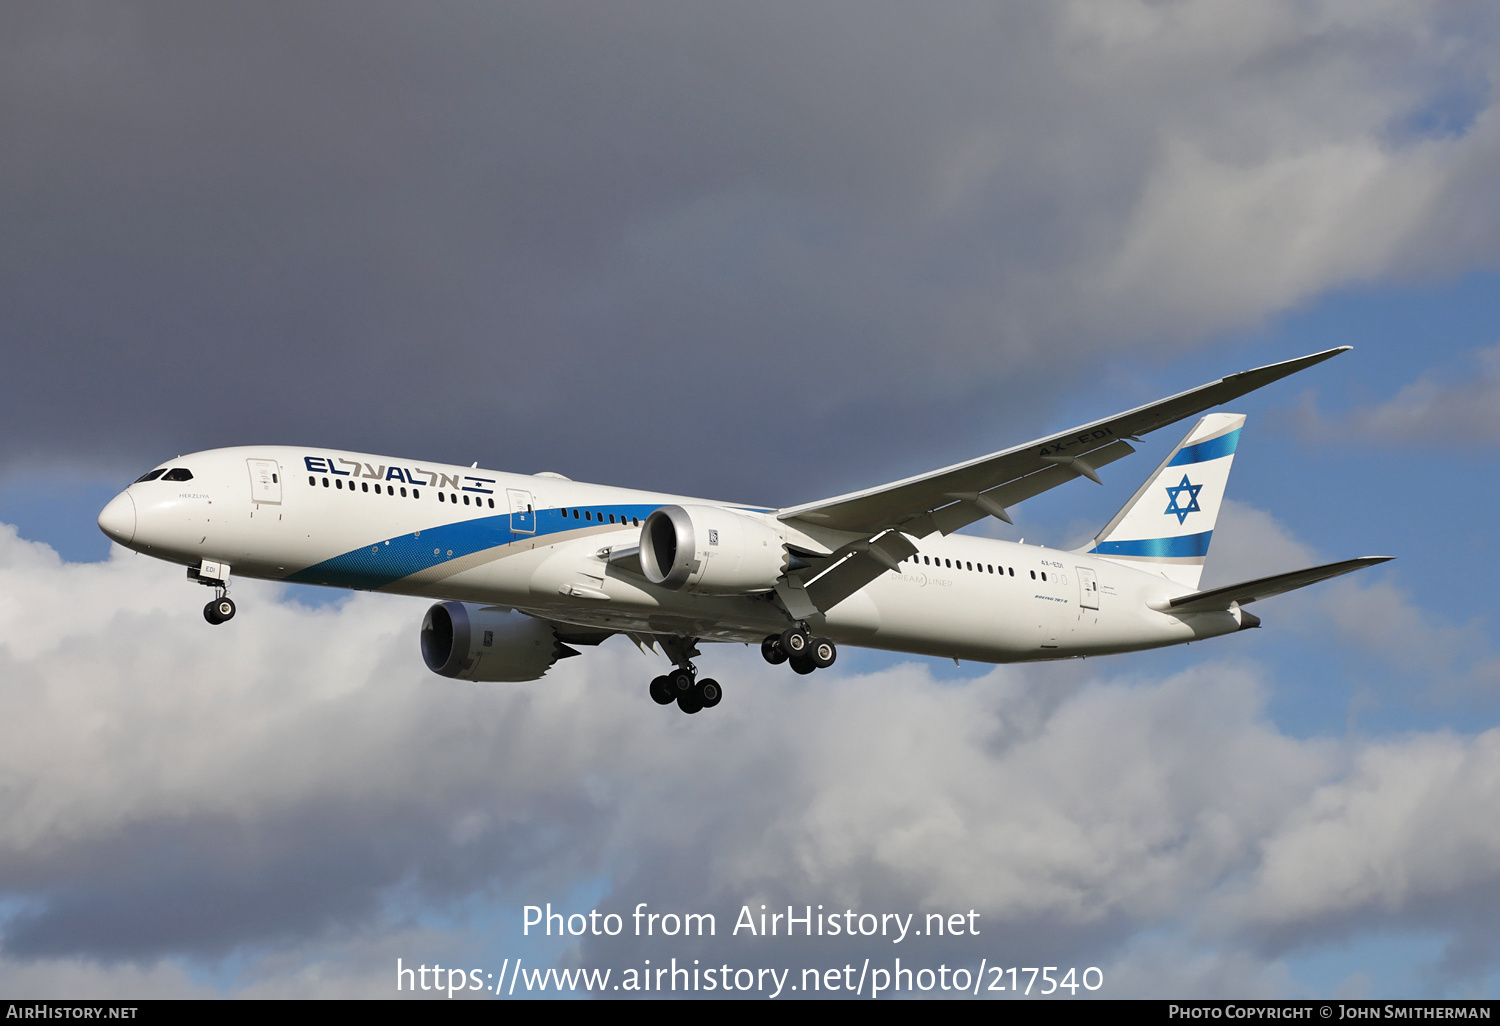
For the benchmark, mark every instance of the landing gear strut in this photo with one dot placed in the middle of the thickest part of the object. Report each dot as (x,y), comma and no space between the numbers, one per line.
(215,576)
(682,684)
(797,646)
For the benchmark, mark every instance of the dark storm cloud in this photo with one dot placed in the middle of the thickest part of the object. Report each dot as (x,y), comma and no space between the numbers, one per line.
(729,250)
(438,231)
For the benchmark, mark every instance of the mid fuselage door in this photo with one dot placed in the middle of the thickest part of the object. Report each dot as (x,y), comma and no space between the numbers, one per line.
(1088,588)
(522,516)
(265,481)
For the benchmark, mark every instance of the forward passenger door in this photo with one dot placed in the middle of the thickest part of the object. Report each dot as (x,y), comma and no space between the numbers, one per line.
(265,481)
(522,515)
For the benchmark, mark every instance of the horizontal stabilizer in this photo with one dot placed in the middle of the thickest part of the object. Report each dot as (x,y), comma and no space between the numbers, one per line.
(1265,587)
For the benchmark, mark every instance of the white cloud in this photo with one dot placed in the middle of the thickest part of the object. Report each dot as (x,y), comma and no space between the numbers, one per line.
(1400,831)
(1250,543)
(1217,241)
(1369,611)
(82,978)
(1459,410)
(278,787)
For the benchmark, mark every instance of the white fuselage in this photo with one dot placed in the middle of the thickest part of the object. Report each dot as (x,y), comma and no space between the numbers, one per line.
(541,544)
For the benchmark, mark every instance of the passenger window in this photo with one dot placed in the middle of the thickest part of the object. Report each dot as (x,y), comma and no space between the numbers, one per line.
(416,493)
(440,497)
(587,515)
(1012,571)
(634,522)
(364,486)
(273,479)
(1033,575)
(575,514)
(927,560)
(312,481)
(492,504)
(338,483)
(969,566)
(611,518)
(151,475)
(1044,575)
(403,493)
(325,482)
(992,569)
(178,474)
(466,500)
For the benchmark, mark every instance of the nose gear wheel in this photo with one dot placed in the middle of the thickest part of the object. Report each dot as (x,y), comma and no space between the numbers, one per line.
(220,610)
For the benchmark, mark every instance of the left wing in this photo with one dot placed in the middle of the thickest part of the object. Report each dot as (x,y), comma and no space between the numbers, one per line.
(947,499)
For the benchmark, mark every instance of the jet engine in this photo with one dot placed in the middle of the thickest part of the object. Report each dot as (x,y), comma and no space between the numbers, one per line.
(482,643)
(709,550)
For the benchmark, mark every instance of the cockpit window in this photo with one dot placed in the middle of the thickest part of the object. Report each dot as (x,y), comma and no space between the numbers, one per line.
(178,474)
(151,476)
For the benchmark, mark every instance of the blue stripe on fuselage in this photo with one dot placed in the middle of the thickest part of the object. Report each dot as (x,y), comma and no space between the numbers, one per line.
(379,564)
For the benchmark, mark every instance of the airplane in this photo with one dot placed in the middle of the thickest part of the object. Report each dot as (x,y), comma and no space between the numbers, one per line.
(525,567)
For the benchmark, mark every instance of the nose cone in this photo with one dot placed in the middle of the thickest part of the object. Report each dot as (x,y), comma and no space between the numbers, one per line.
(118,518)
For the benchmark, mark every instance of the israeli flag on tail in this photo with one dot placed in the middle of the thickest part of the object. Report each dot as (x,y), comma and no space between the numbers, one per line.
(1167,525)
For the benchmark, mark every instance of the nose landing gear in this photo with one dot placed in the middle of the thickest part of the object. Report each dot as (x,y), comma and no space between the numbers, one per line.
(215,576)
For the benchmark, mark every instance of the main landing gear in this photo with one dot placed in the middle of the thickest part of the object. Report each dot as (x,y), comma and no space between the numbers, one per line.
(797,646)
(682,684)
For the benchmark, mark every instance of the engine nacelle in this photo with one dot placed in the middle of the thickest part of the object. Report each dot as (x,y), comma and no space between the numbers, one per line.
(706,549)
(473,642)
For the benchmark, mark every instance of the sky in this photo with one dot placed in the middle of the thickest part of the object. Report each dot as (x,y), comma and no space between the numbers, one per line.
(767,252)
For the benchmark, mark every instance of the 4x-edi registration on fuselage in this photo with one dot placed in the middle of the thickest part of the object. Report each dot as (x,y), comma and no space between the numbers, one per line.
(527,566)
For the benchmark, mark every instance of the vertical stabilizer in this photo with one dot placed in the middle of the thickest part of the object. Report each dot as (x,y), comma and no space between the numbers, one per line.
(1166,526)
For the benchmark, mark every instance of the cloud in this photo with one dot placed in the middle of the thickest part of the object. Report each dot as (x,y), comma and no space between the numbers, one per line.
(1251,543)
(1361,844)
(83,979)
(1423,658)
(287,803)
(514,230)
(1456,409)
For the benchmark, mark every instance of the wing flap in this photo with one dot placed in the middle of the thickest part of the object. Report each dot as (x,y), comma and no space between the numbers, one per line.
(1264,587)
(865,562)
